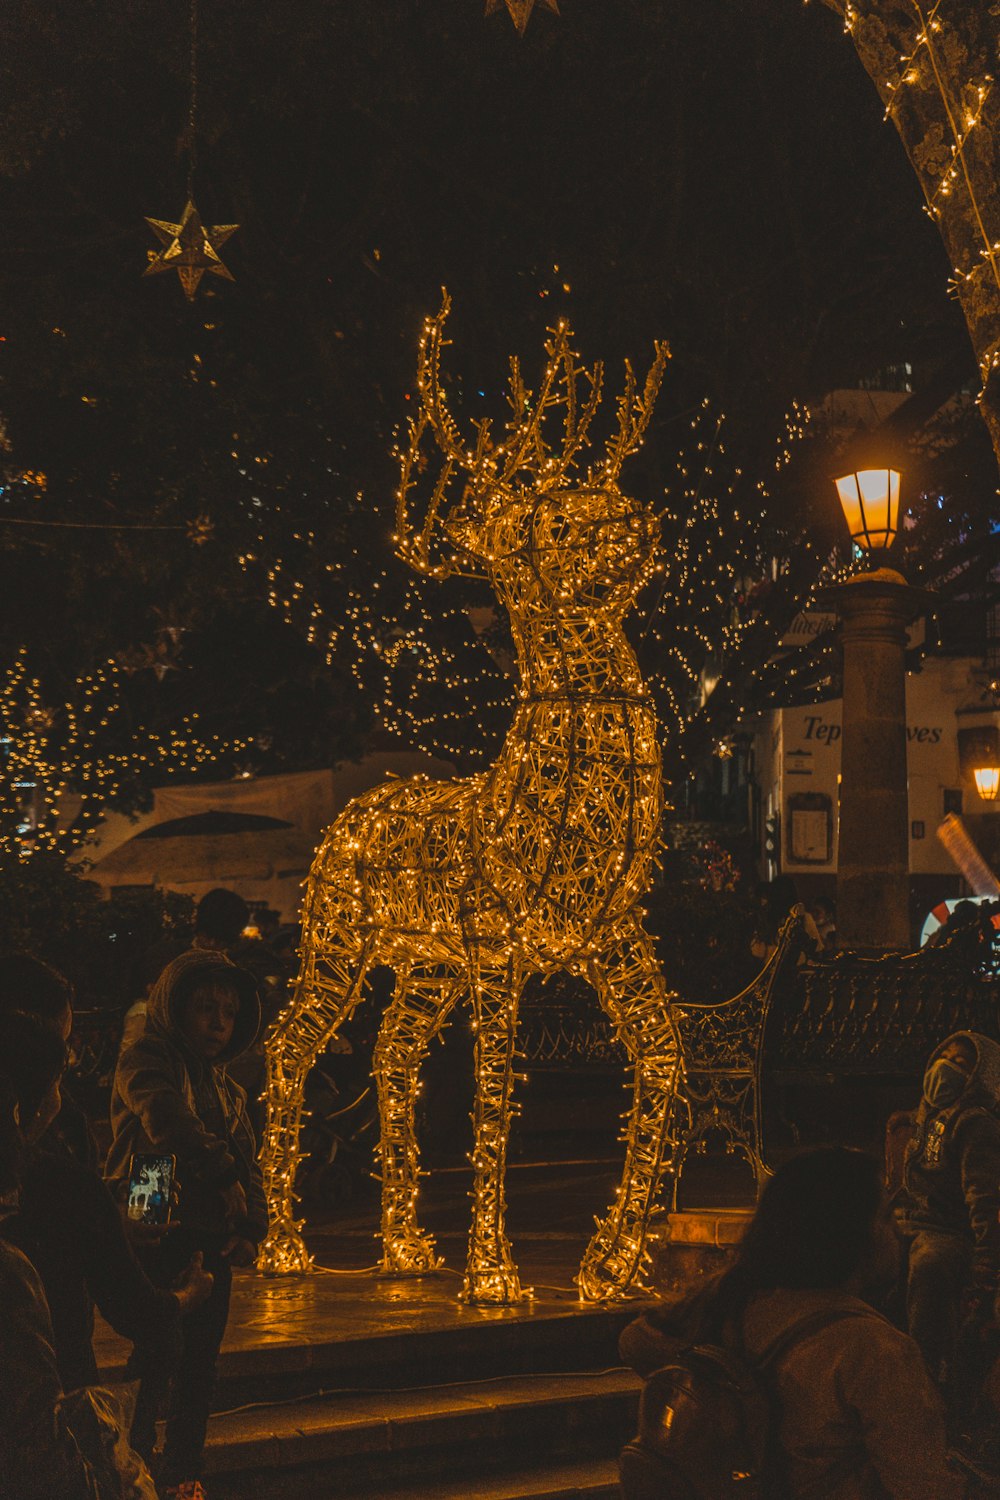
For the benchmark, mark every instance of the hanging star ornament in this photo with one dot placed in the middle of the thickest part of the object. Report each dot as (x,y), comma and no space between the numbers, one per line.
(520,10)
(190,248)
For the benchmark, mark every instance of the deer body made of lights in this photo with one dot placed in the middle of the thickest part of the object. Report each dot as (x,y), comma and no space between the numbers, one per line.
(467,887)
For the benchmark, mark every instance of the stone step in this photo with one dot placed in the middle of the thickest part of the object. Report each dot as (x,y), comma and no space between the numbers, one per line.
(547,1435)
(588,1480)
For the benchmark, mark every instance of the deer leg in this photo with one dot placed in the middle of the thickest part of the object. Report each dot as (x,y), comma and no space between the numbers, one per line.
(632,990)
(419,1008)
(491,1276)
(328,987)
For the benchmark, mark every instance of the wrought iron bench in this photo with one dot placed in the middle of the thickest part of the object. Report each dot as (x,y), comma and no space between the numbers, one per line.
(723,1061)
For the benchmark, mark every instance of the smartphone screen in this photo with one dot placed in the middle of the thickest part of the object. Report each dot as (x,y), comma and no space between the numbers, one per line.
(150,1182)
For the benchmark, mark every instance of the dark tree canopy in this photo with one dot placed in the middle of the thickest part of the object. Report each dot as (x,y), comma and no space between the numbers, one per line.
(655,170)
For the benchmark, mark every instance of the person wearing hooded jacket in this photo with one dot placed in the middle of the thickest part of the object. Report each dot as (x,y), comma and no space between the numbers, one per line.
(949,1205)
(172,1095)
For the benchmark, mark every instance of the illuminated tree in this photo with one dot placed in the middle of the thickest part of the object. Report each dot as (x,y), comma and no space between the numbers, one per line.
(933,63)
(62,766)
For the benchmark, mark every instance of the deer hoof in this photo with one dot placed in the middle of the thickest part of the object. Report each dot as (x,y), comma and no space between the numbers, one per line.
(410,1255)
(613,1276)
(284,1253)
(494,1286)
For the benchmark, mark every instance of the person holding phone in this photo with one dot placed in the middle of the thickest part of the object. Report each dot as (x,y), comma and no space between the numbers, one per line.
(68,1225)
(50,1446)
(172,1096)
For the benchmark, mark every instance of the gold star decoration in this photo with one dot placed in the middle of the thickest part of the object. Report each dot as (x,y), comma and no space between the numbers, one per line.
(190,248)
(520,10)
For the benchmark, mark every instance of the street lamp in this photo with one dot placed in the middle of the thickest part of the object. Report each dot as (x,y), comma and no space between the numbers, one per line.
(875,608)
(979,748)
(870,502)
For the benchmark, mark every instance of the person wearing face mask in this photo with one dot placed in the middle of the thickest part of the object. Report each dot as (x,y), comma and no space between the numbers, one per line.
(949,1206)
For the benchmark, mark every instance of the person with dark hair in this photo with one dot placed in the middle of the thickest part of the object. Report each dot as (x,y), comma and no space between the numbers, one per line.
(41,1458)
(219,920)
(172,1094)
(857,1417)
(68,1224)
(948,1206)
(27,984)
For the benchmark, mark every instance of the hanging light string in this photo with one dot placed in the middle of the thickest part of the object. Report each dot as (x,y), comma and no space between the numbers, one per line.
(97,525)
(61,765)
(193,101)
(962,121)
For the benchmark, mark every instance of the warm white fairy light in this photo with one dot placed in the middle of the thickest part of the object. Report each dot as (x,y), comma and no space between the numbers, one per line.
(81,755)
(952,161)
(535,865)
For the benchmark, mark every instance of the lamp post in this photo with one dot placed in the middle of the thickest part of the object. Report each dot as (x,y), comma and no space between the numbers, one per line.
(875,607)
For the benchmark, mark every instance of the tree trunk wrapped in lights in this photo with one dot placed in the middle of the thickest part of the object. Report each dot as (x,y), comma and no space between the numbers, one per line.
(933,64)
(465,888)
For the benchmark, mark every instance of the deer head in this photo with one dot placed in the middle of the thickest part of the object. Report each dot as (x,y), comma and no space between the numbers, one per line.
(522,509)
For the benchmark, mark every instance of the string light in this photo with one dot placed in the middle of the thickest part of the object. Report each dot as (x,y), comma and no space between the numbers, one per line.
(532,866)
(956,176)
(60,768)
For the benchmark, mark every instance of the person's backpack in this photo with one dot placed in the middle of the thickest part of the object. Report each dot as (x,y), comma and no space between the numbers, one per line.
(706,1424)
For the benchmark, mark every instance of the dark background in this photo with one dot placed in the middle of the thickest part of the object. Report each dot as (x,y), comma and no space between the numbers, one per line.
(716,174)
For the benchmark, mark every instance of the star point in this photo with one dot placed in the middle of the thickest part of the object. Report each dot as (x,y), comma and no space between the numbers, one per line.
(190,248)
(520,10)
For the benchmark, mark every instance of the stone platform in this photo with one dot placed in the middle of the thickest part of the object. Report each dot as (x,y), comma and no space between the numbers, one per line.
(349,1385)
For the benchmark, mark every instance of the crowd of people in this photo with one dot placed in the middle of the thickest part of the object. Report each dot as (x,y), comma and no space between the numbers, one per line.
(68,1243)
(868,1295)
(877,1290)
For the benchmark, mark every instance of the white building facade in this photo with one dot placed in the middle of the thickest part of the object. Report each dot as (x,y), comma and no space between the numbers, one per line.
(796,780)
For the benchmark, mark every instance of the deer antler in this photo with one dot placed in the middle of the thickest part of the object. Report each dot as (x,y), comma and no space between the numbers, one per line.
(558,388)
(494,468)
(634,413)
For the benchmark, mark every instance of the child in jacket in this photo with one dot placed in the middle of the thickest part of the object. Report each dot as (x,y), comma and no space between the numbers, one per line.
(172,1095)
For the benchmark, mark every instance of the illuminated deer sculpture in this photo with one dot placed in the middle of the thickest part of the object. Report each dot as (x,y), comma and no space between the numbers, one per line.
(467,887)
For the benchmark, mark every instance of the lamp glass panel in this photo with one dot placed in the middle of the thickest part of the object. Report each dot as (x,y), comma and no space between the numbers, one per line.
(987,779)
(850,502)
(870,502)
